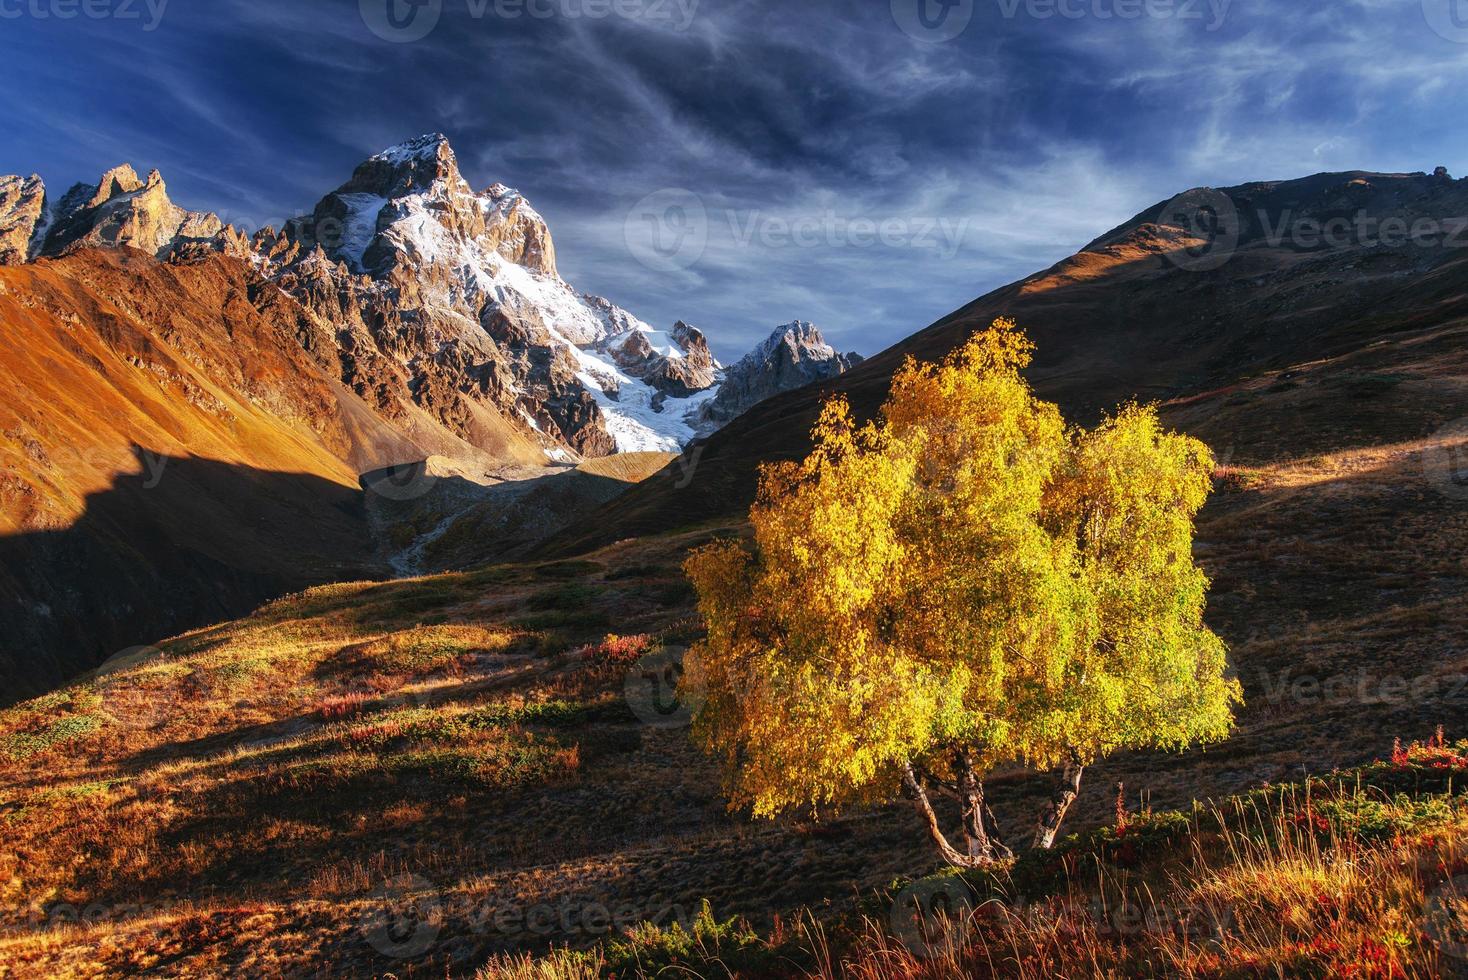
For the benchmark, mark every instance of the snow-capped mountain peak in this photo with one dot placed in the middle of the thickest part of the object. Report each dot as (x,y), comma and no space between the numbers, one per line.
(445,305)
(587,373)
(792,356)
(426,147)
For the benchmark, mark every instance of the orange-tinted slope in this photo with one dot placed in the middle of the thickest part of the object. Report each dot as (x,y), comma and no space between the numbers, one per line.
(170,453)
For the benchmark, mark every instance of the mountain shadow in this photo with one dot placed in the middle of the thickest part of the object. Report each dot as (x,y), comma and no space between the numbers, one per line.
(182,543)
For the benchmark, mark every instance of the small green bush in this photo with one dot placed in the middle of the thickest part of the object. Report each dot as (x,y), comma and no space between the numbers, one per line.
(23,745)
(650,949)
(238,673)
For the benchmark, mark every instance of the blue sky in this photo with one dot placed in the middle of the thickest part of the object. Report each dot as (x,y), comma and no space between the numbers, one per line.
(865,164)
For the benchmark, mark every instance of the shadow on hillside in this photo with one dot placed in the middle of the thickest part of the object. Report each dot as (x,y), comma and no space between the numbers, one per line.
(468,523)
(181,543)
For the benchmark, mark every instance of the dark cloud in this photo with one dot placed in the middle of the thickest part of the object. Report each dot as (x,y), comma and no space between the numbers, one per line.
(796,126)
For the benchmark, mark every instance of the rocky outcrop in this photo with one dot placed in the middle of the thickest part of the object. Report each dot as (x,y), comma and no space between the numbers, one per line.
(794,356)
(696,370)
(120,210)
(22,214)
(517,231)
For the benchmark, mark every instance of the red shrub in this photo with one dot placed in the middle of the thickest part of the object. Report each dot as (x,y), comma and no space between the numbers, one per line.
(617,651)
(342,706)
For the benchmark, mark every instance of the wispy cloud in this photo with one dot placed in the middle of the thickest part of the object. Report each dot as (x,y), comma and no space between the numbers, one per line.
(1032,134)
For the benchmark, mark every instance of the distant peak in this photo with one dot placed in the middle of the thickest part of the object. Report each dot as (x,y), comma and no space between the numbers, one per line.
(801,338)
(122,179)
(801,332)
(427,147)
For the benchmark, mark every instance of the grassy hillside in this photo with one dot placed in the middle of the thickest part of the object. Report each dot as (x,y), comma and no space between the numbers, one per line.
(287,793)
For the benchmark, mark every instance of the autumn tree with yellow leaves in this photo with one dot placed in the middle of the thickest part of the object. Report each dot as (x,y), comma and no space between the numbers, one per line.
(962,584)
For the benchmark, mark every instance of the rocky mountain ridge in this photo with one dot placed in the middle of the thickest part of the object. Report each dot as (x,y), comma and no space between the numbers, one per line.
(445,300)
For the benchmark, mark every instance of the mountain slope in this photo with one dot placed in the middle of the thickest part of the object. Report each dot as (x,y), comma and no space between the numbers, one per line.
(1133,316)
(170,452)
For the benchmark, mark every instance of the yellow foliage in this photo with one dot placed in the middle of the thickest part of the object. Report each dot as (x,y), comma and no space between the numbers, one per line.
(964,573)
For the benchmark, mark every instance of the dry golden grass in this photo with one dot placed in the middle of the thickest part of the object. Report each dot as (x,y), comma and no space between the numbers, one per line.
(628,467)
(1330,879)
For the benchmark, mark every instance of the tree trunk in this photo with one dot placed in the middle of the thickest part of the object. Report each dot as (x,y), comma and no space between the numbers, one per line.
(978,822)
(1066,791)
(950,854)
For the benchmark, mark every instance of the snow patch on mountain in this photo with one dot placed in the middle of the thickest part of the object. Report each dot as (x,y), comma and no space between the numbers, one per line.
(420,148)
(638,416)
(359,227)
